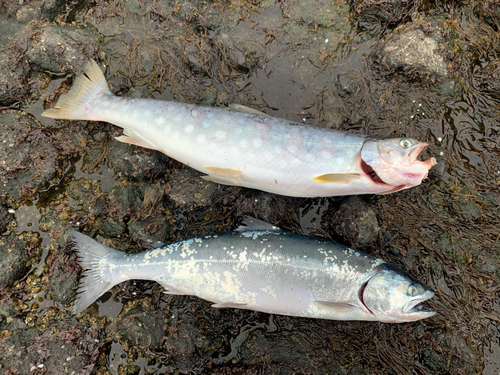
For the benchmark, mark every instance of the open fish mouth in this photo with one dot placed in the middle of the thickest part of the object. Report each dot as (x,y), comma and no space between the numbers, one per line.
(418,307)
(415,153)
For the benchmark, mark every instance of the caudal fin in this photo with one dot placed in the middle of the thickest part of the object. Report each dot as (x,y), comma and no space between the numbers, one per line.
(78,103)
(92,285)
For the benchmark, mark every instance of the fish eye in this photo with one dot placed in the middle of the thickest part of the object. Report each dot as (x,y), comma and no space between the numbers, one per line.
(405,143)
(412,290)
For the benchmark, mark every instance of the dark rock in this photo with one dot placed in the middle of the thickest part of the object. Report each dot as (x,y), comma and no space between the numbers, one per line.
(63,48)
(13,79)
(150,223)
(64,274)
(10,28)
(18,253)
(29,157)
(52,8)
(391,11)
(149,230)
(141,327)
(5,219)
(241,56)
(27,13)
(347,84)
(187,187)
(86,193)
(415,50)
(56,350)
(356,222)
(122,201)
(137,163)
(487,78)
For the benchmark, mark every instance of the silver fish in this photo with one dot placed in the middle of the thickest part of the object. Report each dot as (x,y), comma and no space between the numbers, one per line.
(249,148)
(263,268)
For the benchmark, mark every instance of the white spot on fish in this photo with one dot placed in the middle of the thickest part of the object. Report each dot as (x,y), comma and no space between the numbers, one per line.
(189,129)
(257,142)
(243,143)
(238,131)
(201,138)
(326,154)
(292,149)
(221,134)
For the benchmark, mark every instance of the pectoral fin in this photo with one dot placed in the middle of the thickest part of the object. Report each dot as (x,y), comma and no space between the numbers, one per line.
(335,307)
(135,139)
(172,288)
(339,178)
(224,176)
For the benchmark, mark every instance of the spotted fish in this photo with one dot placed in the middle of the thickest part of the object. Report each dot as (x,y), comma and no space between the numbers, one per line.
(263,268)
(249,148)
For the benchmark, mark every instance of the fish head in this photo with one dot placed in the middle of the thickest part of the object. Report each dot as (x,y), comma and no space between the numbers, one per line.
(392,295)
(394,161)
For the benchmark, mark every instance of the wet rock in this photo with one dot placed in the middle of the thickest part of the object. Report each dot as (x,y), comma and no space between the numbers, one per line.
(10,27)
(30,157)
(489,12)
(320,23)
(13,79)
(357,222)
(57,350)
(86,193)
(18,253)
(391,11)
(52,8)
(122,201)
(64,273)
(414,50)
(487,78)
(137,163)
(187,187)
(241,56)
(196,12)
(5,219)
(27,13)
(129,370)
(141,327)
(150,223)
(63,48)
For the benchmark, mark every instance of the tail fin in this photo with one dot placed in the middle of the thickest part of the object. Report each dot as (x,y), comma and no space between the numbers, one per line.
(93,284)
(78,102)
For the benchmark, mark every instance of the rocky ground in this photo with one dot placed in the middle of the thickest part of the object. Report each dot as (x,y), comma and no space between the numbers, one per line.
(428,70)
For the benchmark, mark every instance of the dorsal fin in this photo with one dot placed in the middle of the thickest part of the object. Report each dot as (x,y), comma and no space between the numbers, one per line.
(251,223)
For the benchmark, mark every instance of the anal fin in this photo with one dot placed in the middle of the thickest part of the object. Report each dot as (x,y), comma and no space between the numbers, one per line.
(135,139)
(172,288)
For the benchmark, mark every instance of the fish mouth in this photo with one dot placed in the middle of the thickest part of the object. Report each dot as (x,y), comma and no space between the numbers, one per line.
(415,153)
(418,310)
